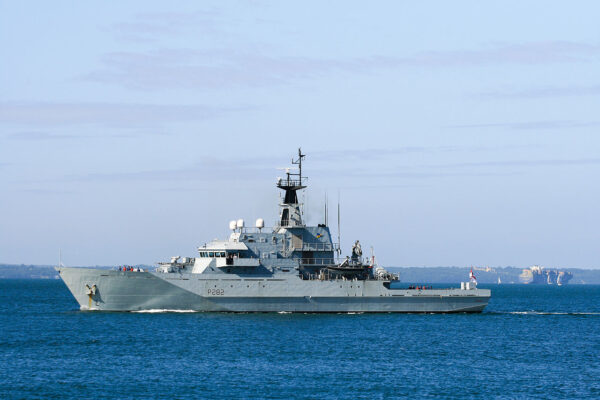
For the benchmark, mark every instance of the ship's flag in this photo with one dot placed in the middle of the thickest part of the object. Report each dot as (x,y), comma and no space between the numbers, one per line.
(473,279)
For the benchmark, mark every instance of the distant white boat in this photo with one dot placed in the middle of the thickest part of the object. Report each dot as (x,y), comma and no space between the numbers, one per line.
(499,281)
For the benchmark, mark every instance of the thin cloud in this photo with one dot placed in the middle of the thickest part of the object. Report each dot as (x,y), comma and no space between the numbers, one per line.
(234,175)
(524,163)
(366,155)
(121,115)
(187,69)
(36,135)
(541,92)
(46,191)
(429,175)
(209,169)
(505,53)
(532,125)
(342,171)
(376,154)
(150,27)
(218,68)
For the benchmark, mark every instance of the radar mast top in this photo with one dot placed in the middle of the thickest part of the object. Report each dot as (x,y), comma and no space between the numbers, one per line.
(290,212)
(293,180)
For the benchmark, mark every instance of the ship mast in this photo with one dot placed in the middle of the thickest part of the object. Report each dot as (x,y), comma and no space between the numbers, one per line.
(290,208)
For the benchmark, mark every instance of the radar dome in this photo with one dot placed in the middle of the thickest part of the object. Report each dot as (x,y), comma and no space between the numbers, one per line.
(232,225)
(240,223)
(260,223)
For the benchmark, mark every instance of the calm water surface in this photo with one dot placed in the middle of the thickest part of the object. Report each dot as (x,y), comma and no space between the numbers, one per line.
(531,342)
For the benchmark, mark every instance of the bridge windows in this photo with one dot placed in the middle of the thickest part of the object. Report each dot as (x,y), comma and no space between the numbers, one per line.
(228,255)
(212,254)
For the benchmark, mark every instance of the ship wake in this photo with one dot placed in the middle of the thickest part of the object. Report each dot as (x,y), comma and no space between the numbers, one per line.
(531,312)
(164,310)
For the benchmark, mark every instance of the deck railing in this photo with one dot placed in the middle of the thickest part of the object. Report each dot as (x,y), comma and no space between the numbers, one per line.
(289,183)
(329,261)
(319,246)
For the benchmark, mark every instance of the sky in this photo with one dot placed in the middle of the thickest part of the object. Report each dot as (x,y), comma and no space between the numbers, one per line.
(452,133)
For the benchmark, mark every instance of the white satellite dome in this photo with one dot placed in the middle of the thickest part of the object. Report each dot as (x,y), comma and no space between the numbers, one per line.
(260,223)
(240,223)
(232,225)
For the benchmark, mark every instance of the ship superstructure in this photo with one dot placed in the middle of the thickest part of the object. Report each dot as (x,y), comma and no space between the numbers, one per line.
(289,267)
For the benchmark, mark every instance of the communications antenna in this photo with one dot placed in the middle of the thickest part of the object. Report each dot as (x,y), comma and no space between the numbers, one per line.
(338,223)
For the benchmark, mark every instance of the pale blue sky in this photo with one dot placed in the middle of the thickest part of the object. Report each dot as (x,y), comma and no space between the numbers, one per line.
(457,133)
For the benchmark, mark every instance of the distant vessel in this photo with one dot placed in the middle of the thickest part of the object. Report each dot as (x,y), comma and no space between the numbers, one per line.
(540,275)
(499,281)
(290,267)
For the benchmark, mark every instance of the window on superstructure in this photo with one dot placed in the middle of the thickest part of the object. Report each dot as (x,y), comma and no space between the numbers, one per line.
(211,254)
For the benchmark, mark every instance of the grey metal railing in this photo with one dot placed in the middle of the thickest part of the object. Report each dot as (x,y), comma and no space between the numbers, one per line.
(318,246)
(329,261)
(289,182)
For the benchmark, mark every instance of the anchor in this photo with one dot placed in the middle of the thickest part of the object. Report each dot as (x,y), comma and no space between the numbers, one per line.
(91,292)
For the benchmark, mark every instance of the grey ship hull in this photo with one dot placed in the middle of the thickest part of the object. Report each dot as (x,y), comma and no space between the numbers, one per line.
(134,291)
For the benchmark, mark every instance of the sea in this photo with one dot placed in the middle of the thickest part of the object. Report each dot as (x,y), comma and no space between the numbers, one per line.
(531,342)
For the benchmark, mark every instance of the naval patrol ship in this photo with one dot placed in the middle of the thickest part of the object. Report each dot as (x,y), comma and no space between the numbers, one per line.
(290,267)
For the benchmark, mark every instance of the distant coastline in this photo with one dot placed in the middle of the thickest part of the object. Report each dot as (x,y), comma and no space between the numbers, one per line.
(506,275)
(22,271)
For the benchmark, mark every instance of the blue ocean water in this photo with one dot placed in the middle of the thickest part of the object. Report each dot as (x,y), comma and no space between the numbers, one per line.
(531,342)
